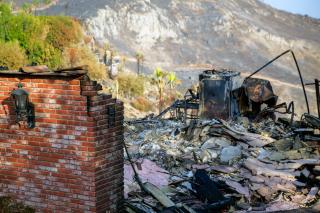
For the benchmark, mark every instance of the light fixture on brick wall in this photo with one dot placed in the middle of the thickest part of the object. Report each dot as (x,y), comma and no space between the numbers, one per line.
(24,109)
(111,115)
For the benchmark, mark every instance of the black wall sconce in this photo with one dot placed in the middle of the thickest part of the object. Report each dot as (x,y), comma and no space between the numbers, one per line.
(111,115)
(24,109)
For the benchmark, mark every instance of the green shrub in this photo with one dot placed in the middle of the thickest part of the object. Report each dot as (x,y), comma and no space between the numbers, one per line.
(5,14)
(42,37)
(22,27)
(43,53)
(12,55)
(130,85)
(63,31)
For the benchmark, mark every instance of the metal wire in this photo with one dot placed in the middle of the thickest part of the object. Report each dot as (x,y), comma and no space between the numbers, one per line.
(298,69)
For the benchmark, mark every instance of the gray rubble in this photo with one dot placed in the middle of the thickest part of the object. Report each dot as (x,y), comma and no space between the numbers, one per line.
(257,172)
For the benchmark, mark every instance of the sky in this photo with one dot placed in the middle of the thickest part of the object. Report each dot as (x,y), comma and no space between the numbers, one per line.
(303,7)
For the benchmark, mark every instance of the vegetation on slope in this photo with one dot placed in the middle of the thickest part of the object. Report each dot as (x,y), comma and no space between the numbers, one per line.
(130,85)
(26,39)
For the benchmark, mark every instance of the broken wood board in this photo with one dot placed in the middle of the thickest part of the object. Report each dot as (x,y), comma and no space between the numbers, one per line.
(256,140)
(225,124)
(296,164)
(259,168)
(223,169)
(244,190)
(215,168)
(311,195)
(84,67)
(252,139)
(158,194)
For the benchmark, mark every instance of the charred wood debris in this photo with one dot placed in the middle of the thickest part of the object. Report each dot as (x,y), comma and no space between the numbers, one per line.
(228,147)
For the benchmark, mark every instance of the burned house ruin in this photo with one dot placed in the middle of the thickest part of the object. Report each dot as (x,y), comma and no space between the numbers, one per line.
(229,146)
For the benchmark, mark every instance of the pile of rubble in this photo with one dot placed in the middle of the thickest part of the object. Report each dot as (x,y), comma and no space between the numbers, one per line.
(214,165)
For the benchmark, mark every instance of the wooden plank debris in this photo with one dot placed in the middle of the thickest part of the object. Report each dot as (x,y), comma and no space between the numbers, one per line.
(244,190)
(259,168)
(158,194)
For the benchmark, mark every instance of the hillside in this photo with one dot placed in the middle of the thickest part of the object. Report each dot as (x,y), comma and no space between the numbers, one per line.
(182,35)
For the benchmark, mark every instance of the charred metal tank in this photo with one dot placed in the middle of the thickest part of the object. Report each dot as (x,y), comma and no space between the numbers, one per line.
(216,99)
(253,94)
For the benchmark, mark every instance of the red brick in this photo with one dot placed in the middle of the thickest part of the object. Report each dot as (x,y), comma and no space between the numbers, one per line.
(64,163)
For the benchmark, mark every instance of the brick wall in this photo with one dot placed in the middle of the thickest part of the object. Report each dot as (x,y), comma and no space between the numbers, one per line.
(72,161)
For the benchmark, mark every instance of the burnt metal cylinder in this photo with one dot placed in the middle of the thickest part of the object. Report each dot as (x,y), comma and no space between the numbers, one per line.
(216,100)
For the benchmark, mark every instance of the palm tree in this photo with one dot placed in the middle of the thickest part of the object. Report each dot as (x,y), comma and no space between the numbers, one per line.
(160,81)
(172,80)
(140,59)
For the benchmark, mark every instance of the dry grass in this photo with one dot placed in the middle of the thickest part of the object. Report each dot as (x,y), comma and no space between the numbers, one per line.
(78,56)
(142,104)
(130,85)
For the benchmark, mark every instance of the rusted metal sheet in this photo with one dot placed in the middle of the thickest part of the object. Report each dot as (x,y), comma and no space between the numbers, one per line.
(253,93)
(259,90)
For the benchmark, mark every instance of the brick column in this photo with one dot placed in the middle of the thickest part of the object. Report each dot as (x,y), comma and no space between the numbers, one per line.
(72,161)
